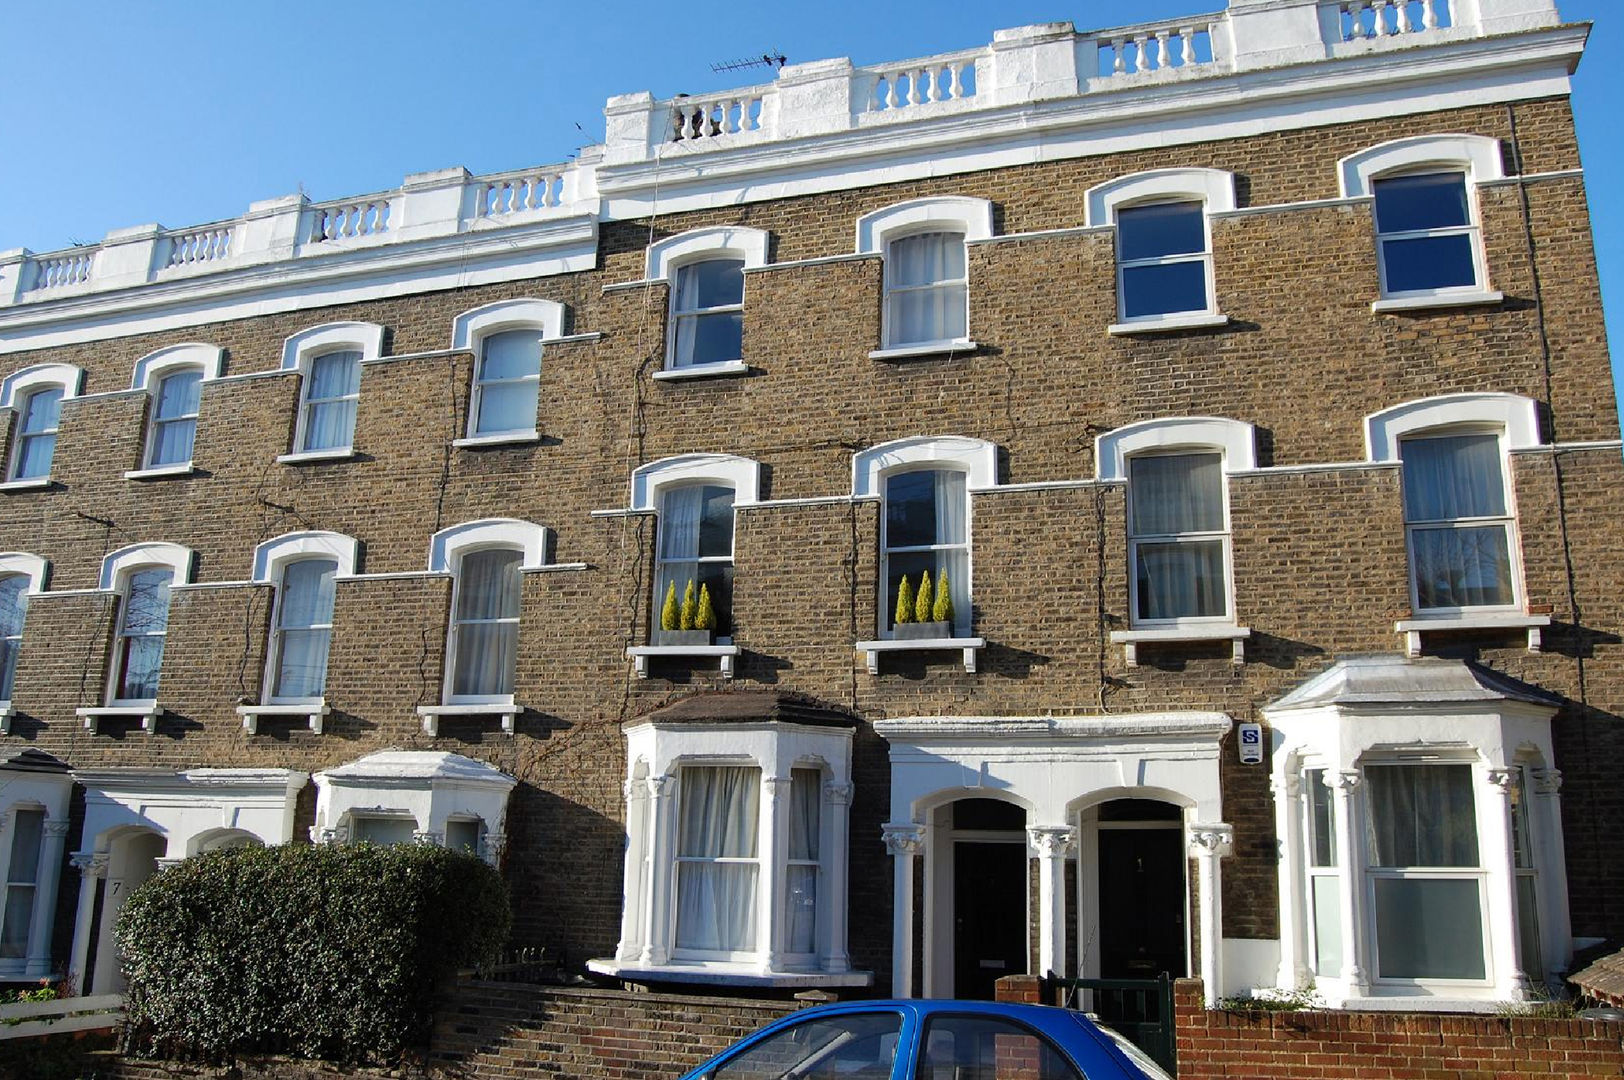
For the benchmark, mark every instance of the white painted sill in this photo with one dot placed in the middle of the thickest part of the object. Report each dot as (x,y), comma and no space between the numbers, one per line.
(508,711)
(160,472)
(1163,324)
(33,483)
(716,974)
(969,646)
(148,711)
(640,654)
(1439,300)
(313,712)
(928,348)
(6,713)
(1130,640)
(1412,629)
(703,371)
(315,457)
(506,438)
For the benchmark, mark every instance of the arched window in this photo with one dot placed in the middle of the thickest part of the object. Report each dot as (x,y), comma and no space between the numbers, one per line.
(329,357)
(705,271)
(142,576)
(506,339)
(36,394)
(1164,244)
(173,379)
(485,559)
(20,575)
(926,269)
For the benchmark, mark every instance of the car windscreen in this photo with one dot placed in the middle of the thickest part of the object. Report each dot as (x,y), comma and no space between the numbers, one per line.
(846,1046)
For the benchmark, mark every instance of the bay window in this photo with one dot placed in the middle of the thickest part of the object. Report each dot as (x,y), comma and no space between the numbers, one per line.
(414,796)
(22,881)
(1324,884)
(717,861)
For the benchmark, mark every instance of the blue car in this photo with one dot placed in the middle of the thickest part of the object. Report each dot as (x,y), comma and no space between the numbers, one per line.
(932,1040)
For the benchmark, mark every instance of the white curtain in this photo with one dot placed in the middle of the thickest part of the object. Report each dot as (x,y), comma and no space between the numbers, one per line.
(1454,477)
(488,592)
(36,433)
(13,605)
(23,876)
(175,414)
(925,282)
(680,511)
(952,527)
(801,892)
(305,617)
(1422,815)
(1176,495)
(330,422)
(146,618)
(716,900)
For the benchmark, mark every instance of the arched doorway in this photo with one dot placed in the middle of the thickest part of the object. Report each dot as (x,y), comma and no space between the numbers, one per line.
(132,857)
(1134,898)
(978,898)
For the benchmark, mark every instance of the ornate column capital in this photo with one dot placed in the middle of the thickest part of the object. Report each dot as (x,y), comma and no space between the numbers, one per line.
(776,787)
(58,827)
(1344,783)
(1504,779)
(1051,841)
(428,836)
(1547,781)
(320,835)
(904,838)
(1288,786)
(89,863)
(633,789)
(1211,841)
(837,793)
(661,786)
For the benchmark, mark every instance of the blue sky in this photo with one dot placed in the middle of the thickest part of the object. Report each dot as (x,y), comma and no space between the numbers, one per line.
(122,112)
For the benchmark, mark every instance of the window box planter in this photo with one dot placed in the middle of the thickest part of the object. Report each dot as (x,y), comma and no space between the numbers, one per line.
(683,637)
(921,631)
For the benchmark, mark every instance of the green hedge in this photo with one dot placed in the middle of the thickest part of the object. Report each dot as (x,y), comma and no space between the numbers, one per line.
(328,952)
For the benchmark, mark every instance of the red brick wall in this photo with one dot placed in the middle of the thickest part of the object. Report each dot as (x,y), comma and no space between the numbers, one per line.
(1387,1046)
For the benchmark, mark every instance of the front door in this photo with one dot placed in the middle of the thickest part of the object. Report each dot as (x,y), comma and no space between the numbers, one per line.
(1142,903)
(989,915)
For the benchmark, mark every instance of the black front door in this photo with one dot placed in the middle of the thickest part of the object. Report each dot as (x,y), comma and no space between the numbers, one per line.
(1142,903)
(989,916)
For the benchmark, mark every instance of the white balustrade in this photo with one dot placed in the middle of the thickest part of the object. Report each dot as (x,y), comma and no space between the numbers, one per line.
(513,193)
(723,114)
(1368,19)
(208,244)
(346,220)
(1157,47)
(68,268)
(921,82)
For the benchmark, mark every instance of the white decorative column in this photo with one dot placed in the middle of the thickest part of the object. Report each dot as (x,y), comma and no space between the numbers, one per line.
(1209,843)
(770,883)
(48,878)
(1051,842)
(905,842)
(662,796)
(1494,819)
(1551,886)
(832,904)
(92,867)
(636,872)
(1288,830)
(1355,981)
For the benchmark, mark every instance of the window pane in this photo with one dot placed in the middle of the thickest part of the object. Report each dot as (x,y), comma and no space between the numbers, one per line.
(716,522)
(27,833)
(34,456)
(143,657)
(1422,815)
(383,831)
(718,577)
(1176,493)
(1429,928)
(487,657)
(507,407)
(146,603)
(1321,820)
(925,507)
(13,604)
(716,906)
(801,909)
(330,425)
(719,807)
(335,375)
(1165,289)
(912,565)
(1528,955)
(1327,901)
(922,315)
(19,918)
(307,592)
(1462,567)
(512,354)
(1522,855)
(1411,203)
(861,1046)
(709,339)
(179,394)
(988,1048)
(1182,581)
(1152,232)
(301,670)
(8,668)
(1457,476)
(489,585)
(806,792)
(1429,262)
(41,410)
(712,283)
(462,836)
(172,442)
(925,258)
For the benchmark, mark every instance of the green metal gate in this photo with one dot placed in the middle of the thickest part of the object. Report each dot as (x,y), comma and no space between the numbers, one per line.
(1141,1010)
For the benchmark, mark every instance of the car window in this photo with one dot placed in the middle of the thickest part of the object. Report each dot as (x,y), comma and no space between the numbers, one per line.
(1141,1059)
(989,1048)
(848,1046)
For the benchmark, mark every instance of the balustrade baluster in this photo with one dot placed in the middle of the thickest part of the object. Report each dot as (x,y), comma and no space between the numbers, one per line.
(1403,13)
(1187,45)
(1163,57)
(955,80)
(1118,58)
(1379,9)
(1429,14)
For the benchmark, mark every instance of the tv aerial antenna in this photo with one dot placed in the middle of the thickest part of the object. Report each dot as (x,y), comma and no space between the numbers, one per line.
(772,58)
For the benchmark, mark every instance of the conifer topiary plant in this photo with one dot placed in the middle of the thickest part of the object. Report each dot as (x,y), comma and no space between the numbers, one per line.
(669,615)
(905,602)
(942,609)
(922,604)
(690,607)
(705,617)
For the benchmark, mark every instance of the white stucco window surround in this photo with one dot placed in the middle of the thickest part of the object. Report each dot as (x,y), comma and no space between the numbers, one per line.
(742,474)
(1059,770)
(1164,267)
(141,575)
(1513,414)
(328,359)
(173,557)
(139,820)
(442,795)
(736,812)
(1418,793)
(1455,239)
(506,383)
(35,395)
(35,790)
(705,269)
(926,273)
(273,554)
(173,379)
(21,576)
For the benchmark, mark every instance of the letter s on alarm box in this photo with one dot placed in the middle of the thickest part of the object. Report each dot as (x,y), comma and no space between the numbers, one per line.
(1251,744)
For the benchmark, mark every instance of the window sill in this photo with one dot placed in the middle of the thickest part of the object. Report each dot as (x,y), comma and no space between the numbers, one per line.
(508,711)
(160,472)
(1130,640)
(927,348)
(1439,300)
(1162,324)
(147,711)
(316,457)
(640,654)
(716,974)
(969,646)
(33,483)
(6,713)
(703,371)
(507,438)
(312,711)
(1412,629)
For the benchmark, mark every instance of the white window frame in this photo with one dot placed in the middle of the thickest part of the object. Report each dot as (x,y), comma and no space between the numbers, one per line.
(962,619)
(663,261)
(117,569)
(678,860)
(37,570)
(468,333)
(1332,871)
(1223,537)
(150,371)
(1213,189)
(300,352)
(877,230)
(271,560)
(1476,157)
(15,393)
(448,548)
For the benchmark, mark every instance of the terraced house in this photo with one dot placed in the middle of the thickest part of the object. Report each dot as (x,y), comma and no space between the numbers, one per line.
(1237,383)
